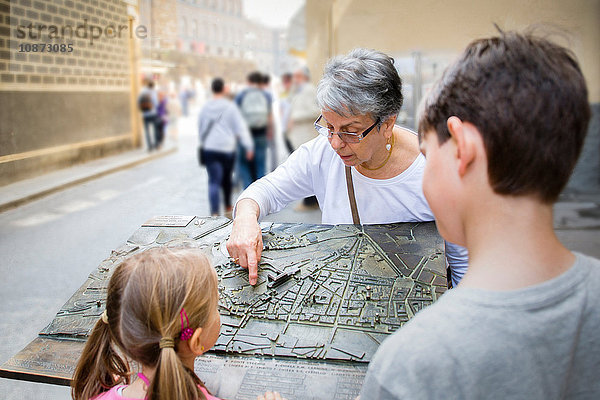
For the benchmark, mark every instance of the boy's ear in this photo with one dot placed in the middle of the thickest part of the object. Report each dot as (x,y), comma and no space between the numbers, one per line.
(195,342)
(465,145)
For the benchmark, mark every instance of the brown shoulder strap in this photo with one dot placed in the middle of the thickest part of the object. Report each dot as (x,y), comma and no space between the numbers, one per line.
(353,207)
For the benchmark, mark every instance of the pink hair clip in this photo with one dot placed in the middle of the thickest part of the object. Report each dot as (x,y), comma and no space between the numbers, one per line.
(186,332)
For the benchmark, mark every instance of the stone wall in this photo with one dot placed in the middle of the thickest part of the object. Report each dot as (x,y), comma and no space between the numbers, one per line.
(65,83)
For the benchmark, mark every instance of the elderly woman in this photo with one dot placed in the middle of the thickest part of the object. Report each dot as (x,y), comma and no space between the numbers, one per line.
(362,168)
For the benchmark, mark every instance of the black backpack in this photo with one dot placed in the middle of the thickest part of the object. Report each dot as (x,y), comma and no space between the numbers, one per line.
(145,102)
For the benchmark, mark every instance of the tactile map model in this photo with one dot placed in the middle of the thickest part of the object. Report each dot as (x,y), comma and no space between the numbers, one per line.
(323,292)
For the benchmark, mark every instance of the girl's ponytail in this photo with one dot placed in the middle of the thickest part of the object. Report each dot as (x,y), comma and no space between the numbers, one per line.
(100,367)
(172,380)
(150,292)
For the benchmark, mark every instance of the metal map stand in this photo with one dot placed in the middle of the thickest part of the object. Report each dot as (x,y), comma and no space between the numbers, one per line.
(326,297)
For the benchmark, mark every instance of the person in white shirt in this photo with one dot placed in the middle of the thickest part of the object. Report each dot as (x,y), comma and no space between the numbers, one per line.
(360,96)
(303,109)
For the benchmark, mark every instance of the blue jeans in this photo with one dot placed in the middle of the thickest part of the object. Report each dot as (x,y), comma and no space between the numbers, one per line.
(150,121)
(260,156)
(252,170)
(219,167)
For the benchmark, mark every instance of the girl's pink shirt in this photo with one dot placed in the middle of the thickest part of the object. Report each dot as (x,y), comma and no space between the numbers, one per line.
(113,394)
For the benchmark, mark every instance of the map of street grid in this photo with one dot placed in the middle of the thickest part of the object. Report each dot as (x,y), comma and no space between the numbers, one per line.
(327,292)
(323,292)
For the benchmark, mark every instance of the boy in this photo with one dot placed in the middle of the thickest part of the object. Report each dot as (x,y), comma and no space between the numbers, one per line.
(502,132)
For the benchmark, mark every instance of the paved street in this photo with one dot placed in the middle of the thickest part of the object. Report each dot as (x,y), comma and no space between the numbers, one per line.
(49,246)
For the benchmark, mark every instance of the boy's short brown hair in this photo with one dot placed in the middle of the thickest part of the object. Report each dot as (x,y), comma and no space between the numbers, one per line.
(528,99)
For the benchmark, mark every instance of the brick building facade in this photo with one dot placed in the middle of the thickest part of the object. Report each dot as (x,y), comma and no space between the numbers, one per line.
(66,93)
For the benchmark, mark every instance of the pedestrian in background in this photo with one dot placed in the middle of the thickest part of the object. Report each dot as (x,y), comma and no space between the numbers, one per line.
(147,103)
(174,112)
(162,119)
(185,95)
(303,112)
(285,108)
(255,106)
(220,126)
(265,86)
(303,109)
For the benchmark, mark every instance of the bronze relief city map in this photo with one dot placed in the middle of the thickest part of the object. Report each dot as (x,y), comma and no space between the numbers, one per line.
(326,297)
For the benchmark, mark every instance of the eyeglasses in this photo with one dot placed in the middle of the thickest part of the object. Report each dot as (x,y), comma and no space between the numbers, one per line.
(346,137)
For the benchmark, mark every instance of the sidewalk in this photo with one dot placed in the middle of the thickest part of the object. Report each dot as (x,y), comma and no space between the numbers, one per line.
(27,190)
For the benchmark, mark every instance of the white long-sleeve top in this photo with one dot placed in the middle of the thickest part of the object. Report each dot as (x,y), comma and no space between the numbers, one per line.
(226,129)
(315,169)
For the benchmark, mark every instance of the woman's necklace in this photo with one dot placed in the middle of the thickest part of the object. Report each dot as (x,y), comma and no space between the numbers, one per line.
(384,161)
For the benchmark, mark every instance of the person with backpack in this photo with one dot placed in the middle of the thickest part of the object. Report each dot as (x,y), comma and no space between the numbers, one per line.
(147,103)
(255,106)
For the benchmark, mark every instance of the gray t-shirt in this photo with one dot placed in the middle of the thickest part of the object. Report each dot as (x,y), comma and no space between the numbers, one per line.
(540,342)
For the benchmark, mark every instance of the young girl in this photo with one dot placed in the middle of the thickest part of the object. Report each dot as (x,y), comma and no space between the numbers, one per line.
(161,312)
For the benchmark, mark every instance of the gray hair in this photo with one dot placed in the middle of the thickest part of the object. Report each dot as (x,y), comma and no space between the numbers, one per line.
(363,82)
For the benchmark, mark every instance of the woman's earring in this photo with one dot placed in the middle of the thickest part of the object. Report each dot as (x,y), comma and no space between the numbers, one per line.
(388,147)
(202,349)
